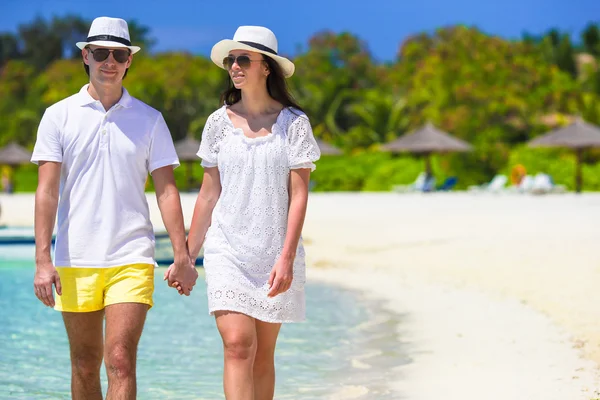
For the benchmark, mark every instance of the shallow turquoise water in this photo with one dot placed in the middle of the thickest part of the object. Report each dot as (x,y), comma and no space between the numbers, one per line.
(180,353)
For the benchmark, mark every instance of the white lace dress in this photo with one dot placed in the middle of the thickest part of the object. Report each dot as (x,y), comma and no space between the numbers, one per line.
(249,221)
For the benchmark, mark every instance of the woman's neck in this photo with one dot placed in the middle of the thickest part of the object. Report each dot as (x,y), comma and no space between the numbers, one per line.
(258,102)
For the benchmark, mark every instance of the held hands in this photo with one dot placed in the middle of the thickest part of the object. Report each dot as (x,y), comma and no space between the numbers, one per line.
(182,275)
(281,276)
(46,276)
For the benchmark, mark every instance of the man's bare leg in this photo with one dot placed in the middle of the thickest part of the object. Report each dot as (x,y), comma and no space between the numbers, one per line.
(124,325)
(85,342)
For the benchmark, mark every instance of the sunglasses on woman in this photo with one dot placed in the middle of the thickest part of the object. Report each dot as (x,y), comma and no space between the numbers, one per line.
(243,61)
(120,55)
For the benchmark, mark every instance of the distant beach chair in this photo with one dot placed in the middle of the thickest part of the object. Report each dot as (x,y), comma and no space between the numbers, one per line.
(526,184)
(416,186)
(557,188)
(429,185)
(496,185)
(448,184)
(543,184)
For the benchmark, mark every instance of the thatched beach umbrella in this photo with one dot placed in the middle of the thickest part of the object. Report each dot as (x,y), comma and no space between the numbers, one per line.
(425,141)
(328,149)
(186,150)
(578,136)
(14,154)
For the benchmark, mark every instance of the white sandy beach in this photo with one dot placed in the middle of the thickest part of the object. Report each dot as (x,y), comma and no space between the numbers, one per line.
(498,293)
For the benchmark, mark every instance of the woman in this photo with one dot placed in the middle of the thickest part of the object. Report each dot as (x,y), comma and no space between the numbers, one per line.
(257,152)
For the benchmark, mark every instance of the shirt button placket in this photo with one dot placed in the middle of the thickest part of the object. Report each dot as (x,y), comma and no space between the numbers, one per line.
(104,130)
(102,135)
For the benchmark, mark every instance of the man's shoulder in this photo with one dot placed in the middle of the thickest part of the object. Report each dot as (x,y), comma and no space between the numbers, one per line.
(63,104)
(145,109)
(59,112)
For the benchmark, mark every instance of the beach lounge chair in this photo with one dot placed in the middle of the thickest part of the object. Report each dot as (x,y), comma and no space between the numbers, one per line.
(557,188)
(526,184)
(416,186)
(496,185)
(429,185)
(448,184)
(543,184)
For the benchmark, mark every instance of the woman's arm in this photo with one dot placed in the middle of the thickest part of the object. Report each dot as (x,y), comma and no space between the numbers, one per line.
(205,203)
(299,179)
(283,271)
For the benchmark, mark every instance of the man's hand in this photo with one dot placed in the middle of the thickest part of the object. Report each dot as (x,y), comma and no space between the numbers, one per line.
(46,276)
(182,275)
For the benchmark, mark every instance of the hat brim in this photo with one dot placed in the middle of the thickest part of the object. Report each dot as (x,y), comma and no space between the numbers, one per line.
(222,49)
(107,43)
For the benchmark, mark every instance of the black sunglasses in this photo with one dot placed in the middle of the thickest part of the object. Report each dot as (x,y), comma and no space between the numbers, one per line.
(101,54)
(243,61)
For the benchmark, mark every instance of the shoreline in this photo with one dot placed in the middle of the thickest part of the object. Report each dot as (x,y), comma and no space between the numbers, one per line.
(373,353)
(453,347)
(497,293)
(496,307)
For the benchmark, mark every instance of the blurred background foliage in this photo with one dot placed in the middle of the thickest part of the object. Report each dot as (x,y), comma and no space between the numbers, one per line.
(494,93)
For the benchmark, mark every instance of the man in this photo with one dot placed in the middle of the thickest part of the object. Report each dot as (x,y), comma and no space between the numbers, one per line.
(94,151)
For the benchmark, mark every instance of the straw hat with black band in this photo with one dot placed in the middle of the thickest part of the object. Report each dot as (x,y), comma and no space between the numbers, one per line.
(109,32)
(252,38)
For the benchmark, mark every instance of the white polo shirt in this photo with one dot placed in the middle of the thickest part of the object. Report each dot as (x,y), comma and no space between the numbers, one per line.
(103,216)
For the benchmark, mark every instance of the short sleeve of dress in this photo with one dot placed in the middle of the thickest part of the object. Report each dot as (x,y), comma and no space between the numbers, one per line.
(303,149)
(212,135)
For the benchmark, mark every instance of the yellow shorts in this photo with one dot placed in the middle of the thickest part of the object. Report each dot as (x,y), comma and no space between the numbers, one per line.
(92,289)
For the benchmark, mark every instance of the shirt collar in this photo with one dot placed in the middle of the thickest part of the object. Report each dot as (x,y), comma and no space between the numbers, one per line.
(126,99)
(84,98)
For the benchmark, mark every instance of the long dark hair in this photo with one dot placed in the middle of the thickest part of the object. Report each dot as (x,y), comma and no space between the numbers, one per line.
(276,86)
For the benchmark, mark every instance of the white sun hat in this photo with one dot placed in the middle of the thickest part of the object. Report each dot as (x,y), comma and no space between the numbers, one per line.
(109,32)
(252,38)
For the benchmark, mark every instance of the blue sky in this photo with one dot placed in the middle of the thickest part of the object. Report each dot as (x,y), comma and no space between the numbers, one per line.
(195,25)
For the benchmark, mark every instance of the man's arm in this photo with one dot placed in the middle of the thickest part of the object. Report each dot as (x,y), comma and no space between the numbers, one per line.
(205,203)
(46,203)
(169,204)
